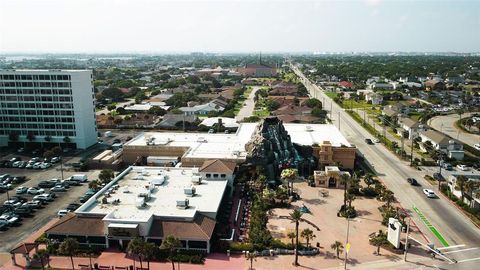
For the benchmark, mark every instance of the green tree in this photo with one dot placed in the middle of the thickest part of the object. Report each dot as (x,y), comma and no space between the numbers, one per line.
(308,235)
(288,176)
(41,255)
(379,239)
(369,180)
(69,247)
(344,180)
(106,176)
(460,184)
(337,246)
(171,243)
(149,252)
(313,103)
(136,247)
(251,257)
(470,187)
(94,185)
(291,236)
(296,216)
(388,197)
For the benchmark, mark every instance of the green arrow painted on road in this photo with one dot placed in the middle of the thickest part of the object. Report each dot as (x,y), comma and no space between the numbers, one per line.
(431,227)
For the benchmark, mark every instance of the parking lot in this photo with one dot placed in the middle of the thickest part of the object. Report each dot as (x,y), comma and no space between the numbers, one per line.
(14,234)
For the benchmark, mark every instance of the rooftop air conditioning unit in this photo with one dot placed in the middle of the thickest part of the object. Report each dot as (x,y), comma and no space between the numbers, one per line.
(182,204)
(201,139)
(195,171)
(308,128)
(196,179)
(190,191)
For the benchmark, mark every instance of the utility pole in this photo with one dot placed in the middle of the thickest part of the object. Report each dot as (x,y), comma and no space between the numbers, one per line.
(406,240)
(411,150)
(402,139)
(346,243)
(364,121)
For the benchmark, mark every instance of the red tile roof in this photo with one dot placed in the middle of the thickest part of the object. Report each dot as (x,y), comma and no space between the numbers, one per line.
(71,224)
(218,166)
(201,228)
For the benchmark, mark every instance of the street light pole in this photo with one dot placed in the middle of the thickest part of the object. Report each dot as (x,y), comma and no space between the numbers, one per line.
(406,241)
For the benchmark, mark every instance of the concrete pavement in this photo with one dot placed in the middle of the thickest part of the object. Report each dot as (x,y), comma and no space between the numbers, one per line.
(446,125)
(452,225)
(249,106)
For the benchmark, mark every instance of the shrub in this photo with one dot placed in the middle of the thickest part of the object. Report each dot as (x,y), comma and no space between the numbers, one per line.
(237,246)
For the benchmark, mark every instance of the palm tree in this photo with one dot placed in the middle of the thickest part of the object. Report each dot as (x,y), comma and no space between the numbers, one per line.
(350,198)
(171,243)
(296,216)
(251,257)
(136,248)
(41,255)
(369,180)
(308,235)
(338,247)
(291,236)
(289,175)
(471,186)
(379,240)
(460,184)
(460,111)
(344,180)
(388,197)
(69,247)
(149,252)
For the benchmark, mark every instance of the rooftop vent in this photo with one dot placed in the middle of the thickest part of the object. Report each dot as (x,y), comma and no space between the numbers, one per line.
(308,128)
(201,139)
(196,179)
(189,191)
(182,204)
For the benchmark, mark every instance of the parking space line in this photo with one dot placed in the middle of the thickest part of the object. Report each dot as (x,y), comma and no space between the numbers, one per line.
(431,227)
(450,247)
(467,260)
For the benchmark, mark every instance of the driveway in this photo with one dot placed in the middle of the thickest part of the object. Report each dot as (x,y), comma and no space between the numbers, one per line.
(249,106)
(446,125)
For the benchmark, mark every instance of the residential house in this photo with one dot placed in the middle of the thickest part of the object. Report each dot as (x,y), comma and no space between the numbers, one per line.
(443,143)
(345,85)
(409,126)
(434,85)
(374,98)
(172,120)
(202,109)
(284,89)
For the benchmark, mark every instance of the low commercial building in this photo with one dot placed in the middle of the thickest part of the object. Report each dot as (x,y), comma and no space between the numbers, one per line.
(330,177)
(193,149)
(153,203)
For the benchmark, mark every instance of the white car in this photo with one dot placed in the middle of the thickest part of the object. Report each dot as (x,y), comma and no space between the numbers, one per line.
(429,193)
(62,213)
(35,191)
(21,190)
(463,167)
(45,165)
(477,146)
(37,165)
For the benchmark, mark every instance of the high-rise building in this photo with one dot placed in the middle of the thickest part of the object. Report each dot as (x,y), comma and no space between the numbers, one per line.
(47,106)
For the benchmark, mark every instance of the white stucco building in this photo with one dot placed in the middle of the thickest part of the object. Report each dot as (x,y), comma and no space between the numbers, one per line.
(47,106)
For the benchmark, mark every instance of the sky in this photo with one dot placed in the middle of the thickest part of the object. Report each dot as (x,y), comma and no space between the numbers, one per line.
(161,26)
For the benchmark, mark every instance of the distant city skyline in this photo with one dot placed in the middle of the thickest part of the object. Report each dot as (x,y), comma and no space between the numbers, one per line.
(147,26)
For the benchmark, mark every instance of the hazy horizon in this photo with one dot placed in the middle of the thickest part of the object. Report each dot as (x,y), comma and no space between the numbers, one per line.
(172,27)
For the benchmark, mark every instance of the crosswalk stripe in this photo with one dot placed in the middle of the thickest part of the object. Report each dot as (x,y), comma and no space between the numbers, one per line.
(460,250)
(450,247)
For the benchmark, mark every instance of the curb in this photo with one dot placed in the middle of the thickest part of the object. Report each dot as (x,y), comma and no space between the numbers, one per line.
(459,208)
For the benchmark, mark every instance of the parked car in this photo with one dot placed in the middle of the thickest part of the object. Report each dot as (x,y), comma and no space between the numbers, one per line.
(477,146)
(429,193)
(447,166)
(412,181)
(55,159)
(463,167)
(37,165)
(369,141)
(18,179)
(9,218)
(79,177)
(46,184)
(35,191)
(19,198)
(437,176)
(45,165)
(30,165)
(58,188)
(14,159)
(45,197)
(23,211)
(34,204)
(73,206)
(16,163)
(62,213)
(21,190)
(12,203)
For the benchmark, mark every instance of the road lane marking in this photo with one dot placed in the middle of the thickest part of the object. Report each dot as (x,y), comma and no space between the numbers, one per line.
(450,247)
(461,250)
(431,227)
(467,260)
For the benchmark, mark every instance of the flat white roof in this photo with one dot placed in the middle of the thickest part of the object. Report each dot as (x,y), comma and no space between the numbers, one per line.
(163,202)
(232,146)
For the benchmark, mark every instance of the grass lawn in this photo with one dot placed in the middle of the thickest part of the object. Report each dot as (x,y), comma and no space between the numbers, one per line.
(247,92)
(331,95)
(262,112)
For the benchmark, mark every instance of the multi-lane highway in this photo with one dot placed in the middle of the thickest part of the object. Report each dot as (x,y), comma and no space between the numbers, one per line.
(451,225)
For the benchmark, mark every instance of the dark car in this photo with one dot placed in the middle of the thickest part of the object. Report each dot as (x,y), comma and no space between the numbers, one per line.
(368,141)
(23,211)
(437,176)
(46,184)
(412,181)
(19,198)
(73,206)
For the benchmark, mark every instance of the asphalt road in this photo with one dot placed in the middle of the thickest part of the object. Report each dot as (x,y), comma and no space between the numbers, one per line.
(455,228)
(446,124)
